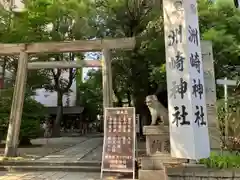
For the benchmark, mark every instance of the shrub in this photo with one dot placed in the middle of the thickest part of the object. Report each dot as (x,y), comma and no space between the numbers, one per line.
(229,123)
(33,112)
(222,160)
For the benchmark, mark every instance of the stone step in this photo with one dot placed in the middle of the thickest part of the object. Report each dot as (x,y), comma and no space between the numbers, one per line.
(156,162)
(50,168)
(151,175)
(45,163)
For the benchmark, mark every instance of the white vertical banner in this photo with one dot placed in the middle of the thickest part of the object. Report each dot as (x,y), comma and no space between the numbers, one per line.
(186,96)
(210,83)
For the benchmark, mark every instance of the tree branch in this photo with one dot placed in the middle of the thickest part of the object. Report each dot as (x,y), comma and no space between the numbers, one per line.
(71,75)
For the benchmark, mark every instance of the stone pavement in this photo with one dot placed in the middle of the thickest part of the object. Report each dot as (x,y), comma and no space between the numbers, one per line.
(61,176)
(76,152)
(40,148)
(85,150)
(50,176)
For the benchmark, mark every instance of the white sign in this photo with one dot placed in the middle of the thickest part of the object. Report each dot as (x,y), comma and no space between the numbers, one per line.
(209,80)
(119,140)
(186,96)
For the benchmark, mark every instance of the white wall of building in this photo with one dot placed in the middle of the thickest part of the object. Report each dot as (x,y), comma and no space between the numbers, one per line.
(49,99)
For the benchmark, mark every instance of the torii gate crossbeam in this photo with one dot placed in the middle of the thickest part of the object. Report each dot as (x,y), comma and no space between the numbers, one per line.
(23,50)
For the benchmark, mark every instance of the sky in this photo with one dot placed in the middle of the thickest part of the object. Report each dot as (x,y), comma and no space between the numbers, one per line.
(90,56)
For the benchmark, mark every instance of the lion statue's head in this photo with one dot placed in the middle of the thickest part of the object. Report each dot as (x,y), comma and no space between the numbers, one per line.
(151,100)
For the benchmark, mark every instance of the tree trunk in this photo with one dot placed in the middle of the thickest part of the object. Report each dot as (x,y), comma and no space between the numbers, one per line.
(119,99)
(4,70)
(129,99)
(141,108)
(57,122)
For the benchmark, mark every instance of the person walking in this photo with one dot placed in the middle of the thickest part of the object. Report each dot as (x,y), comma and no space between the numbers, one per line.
(47,130)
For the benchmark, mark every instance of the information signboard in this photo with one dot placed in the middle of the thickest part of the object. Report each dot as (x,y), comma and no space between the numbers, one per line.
(119,140)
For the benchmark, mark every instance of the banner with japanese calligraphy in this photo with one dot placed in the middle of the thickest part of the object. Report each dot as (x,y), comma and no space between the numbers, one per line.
(119,140)
(210,83)
(186,92)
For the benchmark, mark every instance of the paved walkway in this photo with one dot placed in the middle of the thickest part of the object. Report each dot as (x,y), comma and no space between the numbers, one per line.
(83,149)
(86,149)
(50,176)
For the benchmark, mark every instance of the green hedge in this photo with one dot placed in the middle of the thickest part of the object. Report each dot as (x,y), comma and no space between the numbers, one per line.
(33,112)
(222,160)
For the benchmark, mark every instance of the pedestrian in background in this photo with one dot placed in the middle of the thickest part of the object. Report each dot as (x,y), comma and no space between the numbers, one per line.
(47,129)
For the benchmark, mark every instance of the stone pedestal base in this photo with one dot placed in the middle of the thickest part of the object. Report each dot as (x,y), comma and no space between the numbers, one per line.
(158,148)
(157,139)
(156,162)
(151,175)
(214,137)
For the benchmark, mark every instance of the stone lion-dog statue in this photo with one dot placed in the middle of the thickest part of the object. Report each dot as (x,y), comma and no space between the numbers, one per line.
(157,110)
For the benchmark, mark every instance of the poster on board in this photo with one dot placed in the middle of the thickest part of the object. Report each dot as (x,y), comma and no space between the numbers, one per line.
(119,140)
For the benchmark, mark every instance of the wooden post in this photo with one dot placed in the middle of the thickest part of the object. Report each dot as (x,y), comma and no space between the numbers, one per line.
(17,107)
(64,64)
(107,79)
(110,84)
(71,46)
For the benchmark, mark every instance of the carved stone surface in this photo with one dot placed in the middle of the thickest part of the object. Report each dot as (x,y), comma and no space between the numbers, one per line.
(157,162)
(157,139)
(151,174)
(156,144)
(157,148)
(157,110)
(156,130)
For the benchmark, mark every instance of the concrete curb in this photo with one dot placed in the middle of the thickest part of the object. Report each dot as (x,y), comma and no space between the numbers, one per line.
(50,168)
(45,163)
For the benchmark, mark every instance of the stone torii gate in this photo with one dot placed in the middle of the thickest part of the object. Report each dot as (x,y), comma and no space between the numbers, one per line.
(23,50)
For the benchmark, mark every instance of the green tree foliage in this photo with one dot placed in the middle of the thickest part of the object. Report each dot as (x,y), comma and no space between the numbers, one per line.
(17,28)
(47,20)
(142,71)
(136,73)
(90,95)
(33,112)
(220,23)
(133,71)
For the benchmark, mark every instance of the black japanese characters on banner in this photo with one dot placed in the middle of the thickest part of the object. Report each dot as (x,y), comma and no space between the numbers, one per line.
(175,36)
(193,35)
(180,89)
(195,61)
(199,114)
(180,115)
(177,62)
(197,88)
